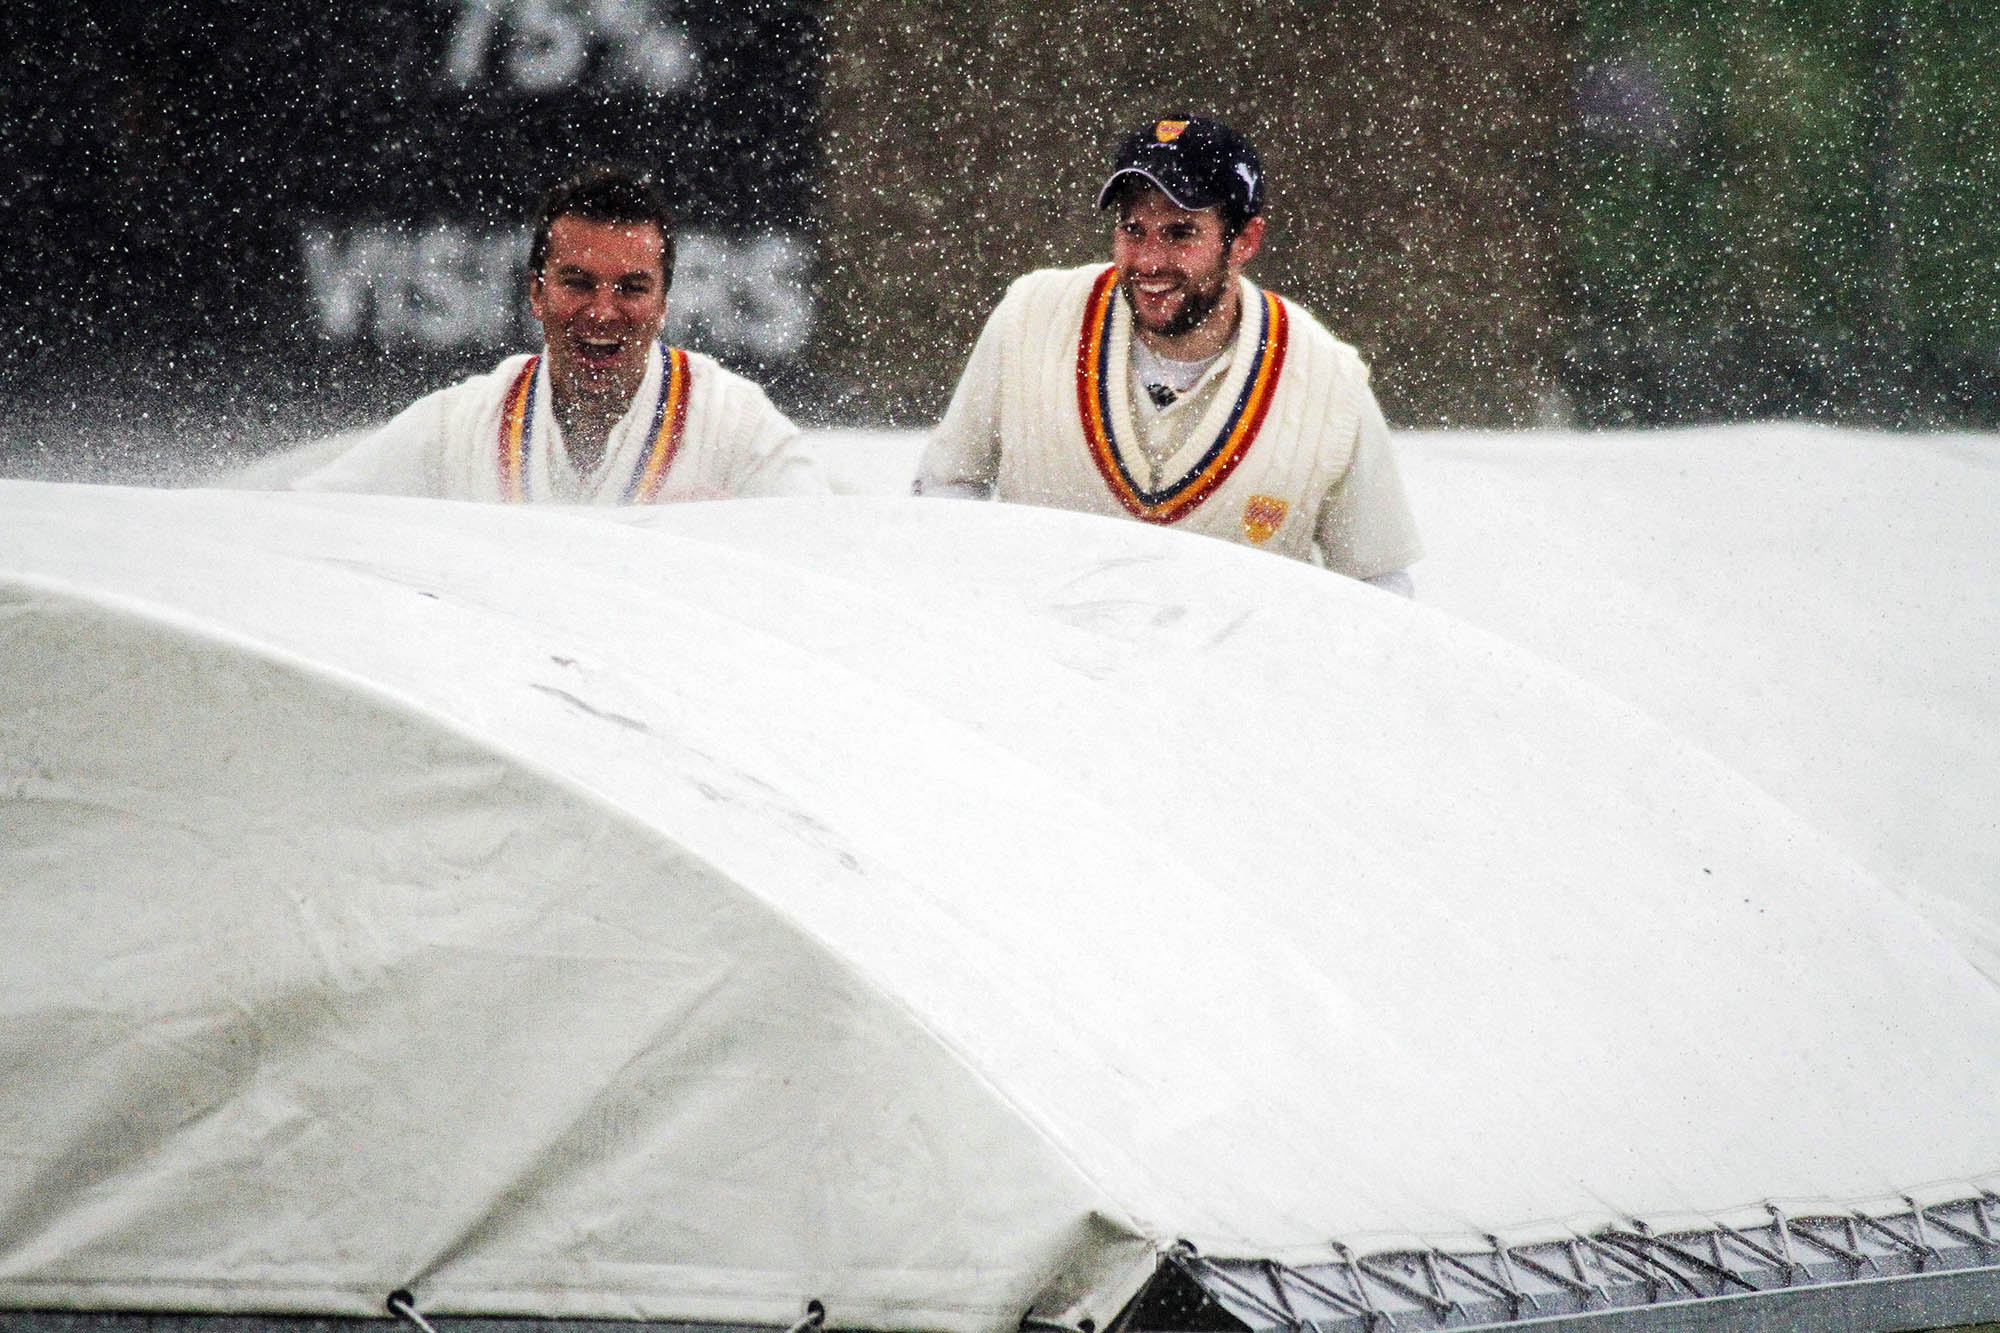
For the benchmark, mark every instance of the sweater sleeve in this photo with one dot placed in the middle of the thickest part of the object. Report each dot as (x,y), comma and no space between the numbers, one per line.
(963,454)
(404,457)
(775,457)
(1364,527)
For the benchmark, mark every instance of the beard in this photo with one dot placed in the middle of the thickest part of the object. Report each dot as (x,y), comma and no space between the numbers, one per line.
(1200,294)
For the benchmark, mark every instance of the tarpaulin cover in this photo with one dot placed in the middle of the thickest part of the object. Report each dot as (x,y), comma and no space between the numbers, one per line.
(929,908)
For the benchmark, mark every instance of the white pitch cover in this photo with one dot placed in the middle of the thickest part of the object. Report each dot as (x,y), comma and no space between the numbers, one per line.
(928,908)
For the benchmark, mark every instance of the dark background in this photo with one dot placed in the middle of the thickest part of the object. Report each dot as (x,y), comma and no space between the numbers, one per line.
(1592,212)
(161,166)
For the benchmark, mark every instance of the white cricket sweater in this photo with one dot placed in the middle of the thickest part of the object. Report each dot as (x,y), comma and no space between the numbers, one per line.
(449,445)
(1285,448)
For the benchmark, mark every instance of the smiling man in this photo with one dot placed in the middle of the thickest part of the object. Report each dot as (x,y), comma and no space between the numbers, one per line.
(604,414)
(1167,387)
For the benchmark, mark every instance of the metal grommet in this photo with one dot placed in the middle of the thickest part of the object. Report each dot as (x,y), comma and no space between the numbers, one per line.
(403,1306)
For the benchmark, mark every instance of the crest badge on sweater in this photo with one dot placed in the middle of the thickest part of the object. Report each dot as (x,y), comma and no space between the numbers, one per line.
(1263,515)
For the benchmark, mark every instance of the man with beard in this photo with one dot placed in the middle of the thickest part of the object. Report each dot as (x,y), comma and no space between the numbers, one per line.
(604,414)
(1168,388)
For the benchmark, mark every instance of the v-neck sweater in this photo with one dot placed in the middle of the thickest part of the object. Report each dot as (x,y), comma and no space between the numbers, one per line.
(1044,415)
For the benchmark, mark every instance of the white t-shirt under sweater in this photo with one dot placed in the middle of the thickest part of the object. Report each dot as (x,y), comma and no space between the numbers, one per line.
(1278,444)
(1169,397)
(495,437)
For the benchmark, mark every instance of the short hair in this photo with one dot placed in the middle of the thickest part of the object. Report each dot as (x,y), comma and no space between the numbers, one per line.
(606,192)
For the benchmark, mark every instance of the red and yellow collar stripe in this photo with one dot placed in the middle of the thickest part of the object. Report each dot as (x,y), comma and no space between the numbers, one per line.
(669,424)
(1179,498)
(517,423)
(517,415)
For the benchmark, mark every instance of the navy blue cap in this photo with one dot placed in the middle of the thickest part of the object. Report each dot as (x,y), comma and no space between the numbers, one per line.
(1196,163)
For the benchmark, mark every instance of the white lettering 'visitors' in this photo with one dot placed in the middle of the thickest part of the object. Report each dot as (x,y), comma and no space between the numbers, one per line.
(451,286)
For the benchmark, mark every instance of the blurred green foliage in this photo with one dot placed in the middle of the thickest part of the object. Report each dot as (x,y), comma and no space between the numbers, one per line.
(1786,208)
(1951,128)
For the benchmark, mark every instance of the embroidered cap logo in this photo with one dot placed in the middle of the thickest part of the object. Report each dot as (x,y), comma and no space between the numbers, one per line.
(1169,130)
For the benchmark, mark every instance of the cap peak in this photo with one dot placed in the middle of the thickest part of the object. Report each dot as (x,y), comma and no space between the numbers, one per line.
(1196,162)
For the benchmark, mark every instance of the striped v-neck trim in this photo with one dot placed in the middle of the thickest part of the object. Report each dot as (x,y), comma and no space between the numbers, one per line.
(649,469)
(669,424)
(1094,381)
